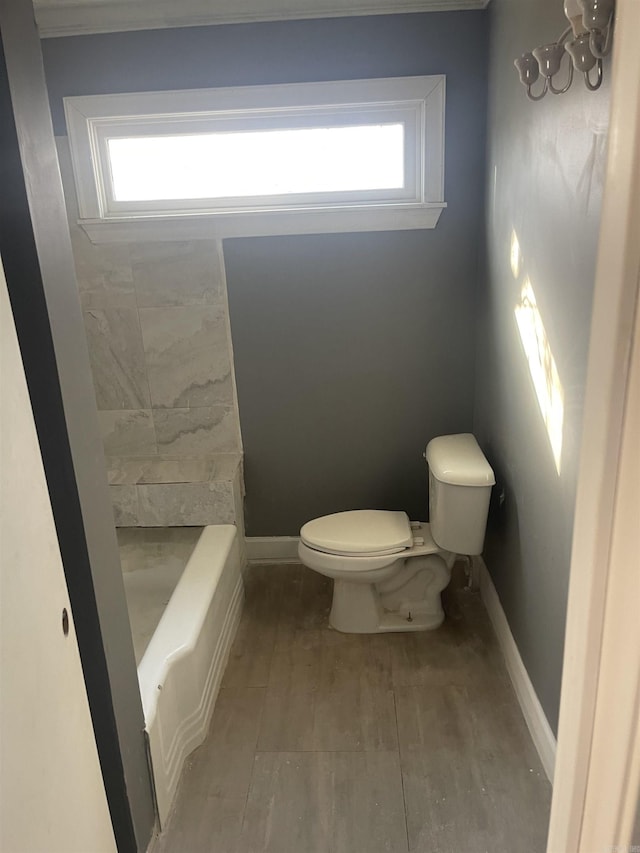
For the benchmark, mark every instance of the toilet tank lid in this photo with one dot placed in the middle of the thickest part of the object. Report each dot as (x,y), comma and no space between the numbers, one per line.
(458,460)
(361,531)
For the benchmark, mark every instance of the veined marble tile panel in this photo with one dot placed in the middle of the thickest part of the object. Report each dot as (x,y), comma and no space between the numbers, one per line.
(127,432)
(103,272)
(145,548)
(176,273)
(187,356)
(185,503)
(173,470)
(124,500)
(196,432)
(159,471)
(226,466)
(117,358)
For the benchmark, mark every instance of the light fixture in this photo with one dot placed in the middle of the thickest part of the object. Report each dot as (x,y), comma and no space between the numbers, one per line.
(587,41)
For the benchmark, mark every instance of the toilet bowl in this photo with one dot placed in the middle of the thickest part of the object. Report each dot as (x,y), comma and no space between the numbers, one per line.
(389,590)
(389,572)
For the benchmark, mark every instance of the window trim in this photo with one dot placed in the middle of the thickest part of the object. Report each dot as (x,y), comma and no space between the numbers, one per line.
(418,102)
(264,202)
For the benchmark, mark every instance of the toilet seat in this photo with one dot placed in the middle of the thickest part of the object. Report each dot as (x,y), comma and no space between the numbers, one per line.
(359,533)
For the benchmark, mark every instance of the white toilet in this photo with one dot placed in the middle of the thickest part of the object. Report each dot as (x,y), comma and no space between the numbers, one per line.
(388,571)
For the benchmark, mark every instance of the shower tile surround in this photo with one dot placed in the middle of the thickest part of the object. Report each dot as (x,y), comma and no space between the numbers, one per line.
(157,326)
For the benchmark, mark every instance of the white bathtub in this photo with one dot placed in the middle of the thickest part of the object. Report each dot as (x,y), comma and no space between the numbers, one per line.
(181,669)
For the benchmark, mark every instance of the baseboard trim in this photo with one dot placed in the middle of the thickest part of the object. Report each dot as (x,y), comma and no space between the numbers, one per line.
(541,733)
(272,549)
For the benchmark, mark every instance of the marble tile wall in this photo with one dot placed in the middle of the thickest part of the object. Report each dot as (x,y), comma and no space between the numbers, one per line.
(162,372)
(157,325)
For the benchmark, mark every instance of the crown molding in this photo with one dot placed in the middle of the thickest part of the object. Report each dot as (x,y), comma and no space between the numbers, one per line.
(58,18)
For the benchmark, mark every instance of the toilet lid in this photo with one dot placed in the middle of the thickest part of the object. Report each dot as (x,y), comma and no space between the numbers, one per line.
(361,532)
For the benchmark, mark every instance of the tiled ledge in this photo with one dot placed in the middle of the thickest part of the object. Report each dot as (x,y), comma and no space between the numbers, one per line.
(172,469)
(173,492)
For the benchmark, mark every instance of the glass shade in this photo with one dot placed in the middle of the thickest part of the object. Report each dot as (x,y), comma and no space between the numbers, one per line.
(549,57)
(580,52)
(527,68)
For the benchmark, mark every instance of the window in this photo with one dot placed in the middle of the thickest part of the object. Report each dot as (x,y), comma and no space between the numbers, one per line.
(352,155)
(228,165)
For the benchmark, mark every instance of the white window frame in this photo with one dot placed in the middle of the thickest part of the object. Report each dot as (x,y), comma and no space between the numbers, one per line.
(416,102)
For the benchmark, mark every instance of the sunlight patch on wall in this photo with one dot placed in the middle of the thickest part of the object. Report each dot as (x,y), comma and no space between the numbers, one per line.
(515,255)
(542,367)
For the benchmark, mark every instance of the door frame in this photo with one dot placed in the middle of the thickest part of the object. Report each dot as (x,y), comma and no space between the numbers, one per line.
(38,265)
(597,773)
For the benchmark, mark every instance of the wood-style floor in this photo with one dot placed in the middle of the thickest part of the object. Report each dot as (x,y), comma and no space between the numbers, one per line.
(324,742)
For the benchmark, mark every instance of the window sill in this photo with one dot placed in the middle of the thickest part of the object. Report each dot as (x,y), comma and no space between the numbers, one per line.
(390,217)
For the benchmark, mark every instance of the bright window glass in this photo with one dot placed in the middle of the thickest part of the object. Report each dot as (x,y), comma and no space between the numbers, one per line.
(258,163)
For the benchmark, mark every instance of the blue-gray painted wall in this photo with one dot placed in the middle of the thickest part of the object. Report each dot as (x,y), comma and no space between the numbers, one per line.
(545,174)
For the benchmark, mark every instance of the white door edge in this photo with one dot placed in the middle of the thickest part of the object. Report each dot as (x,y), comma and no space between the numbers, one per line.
(588,811)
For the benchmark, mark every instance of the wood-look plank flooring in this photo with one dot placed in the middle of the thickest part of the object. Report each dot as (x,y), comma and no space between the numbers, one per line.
(324,742)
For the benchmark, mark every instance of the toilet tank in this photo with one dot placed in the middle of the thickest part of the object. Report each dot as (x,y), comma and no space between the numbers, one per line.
(460,482)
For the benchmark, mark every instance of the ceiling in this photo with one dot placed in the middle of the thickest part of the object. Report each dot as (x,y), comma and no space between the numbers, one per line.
(80,17)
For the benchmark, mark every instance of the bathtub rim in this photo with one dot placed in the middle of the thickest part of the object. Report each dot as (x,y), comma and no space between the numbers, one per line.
(211,582)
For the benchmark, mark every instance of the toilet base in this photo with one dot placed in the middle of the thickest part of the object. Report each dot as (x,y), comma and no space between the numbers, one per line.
(356,609)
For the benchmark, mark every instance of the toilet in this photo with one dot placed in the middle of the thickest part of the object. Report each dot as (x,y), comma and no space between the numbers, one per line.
(388,572)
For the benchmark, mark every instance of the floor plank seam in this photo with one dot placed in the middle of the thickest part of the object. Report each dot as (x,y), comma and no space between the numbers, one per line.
(404,798)
(324,751)
(246,799)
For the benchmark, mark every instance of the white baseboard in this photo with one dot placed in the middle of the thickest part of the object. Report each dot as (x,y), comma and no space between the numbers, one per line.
(534,715)
(272,549)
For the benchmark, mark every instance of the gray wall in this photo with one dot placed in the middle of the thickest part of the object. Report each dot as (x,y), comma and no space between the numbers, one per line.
(545,175)
(351,351)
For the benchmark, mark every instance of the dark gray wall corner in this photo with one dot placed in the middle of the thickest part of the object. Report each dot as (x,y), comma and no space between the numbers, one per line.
(351,352)
(545,175)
